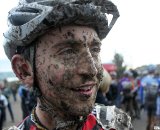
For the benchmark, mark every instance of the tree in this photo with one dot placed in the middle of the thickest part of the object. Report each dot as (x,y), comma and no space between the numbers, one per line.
(118,61)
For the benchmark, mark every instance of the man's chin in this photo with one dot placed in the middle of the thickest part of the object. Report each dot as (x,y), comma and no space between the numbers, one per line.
(81,110)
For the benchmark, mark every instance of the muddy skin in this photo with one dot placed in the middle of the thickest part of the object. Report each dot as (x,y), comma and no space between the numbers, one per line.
(69,61)
(59,124)
(68,75)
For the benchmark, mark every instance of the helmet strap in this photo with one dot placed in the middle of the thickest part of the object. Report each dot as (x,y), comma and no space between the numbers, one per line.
(36,89)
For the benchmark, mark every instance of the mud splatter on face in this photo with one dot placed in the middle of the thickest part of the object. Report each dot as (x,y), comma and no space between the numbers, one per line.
(84,37)
(70,34)
(68,66)
(56,66)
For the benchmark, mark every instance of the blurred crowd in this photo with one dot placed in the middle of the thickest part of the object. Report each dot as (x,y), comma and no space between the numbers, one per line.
(11,90)
(133,92)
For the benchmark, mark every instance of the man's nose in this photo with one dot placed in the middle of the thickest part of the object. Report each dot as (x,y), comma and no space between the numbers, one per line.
(87,65)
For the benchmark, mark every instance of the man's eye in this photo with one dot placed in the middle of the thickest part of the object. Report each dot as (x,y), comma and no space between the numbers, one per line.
(96,49)
(70,51)
(67,51)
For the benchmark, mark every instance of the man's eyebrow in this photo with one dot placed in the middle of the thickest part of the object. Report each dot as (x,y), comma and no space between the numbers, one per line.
(65,43)
(71,42)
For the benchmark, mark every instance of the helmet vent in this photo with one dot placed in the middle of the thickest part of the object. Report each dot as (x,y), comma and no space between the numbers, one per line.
(28,10)
(23,15)
(20,19)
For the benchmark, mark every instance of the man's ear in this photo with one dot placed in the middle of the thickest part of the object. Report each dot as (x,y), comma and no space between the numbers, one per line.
(23,70)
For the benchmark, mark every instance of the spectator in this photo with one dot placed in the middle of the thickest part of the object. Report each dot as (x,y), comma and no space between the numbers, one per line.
(24,93)
(158,109)
(7,92)
(3,105)
(113,93)
(103,89)
(127,94)
(150,85)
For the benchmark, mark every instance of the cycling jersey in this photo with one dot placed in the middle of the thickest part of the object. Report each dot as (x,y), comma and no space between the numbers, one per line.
(102,118)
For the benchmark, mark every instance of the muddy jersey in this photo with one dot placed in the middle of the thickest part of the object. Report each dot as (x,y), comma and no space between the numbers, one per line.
(102,118)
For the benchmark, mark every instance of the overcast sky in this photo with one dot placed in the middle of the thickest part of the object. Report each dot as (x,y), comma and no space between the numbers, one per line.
(134,36)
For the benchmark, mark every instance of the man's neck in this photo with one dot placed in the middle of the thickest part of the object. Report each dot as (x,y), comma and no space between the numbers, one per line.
(52,119)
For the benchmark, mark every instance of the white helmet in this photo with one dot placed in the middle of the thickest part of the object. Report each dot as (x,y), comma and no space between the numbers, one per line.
(32,18)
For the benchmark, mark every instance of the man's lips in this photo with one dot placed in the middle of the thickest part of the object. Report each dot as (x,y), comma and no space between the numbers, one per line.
(85,89)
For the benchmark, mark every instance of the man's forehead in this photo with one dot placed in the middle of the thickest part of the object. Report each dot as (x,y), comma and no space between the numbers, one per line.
(69,35)
(74,28)
(72,33)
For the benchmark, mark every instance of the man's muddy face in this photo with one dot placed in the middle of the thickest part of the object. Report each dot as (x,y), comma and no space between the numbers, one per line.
(68,68)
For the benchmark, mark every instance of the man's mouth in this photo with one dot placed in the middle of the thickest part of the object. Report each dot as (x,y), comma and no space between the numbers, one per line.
(85,89)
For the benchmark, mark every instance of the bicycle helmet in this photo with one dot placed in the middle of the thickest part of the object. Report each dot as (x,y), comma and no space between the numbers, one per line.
(32,18)
(151,68)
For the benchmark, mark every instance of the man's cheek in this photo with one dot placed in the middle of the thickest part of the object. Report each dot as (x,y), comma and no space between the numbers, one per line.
(100,72)
(54,74)
(59,71)
(68,78)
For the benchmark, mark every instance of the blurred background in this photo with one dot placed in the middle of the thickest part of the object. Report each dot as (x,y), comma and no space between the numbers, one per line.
(130,53)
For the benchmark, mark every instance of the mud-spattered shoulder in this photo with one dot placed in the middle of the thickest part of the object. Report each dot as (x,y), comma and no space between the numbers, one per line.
(113,117)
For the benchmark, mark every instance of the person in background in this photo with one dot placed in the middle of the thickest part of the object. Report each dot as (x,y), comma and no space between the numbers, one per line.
(141,91)
(157,77)
(103,89)
(24,94)
(113,94)
(150,85)
(28,100)
(54,47)
(14,92)
(127,85)
(134,91)
(7,92)
(137,97)
(157,121)
(3,105)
